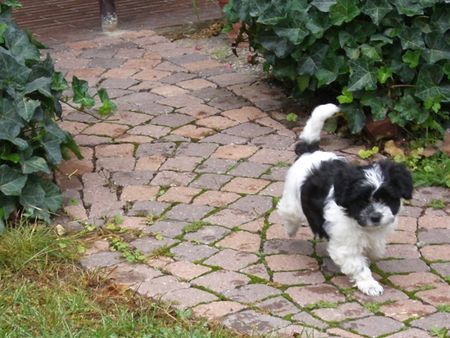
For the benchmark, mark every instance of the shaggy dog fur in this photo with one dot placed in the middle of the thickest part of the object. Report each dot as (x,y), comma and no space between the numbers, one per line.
(354,207)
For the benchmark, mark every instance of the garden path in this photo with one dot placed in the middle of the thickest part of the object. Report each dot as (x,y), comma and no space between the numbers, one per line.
(193,161)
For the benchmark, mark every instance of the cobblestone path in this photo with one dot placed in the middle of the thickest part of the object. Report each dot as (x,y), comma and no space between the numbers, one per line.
(194,162)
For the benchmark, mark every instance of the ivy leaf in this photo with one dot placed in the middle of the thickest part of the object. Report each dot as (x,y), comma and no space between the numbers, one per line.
(377,10)
(346,97)
(2,31)
(303,82)
(35,164)
(411,38)
(11,181)
(107,105)
(19,44)
(329,70)
(26,108)
(59,83)
(362,76)
(428,84)
(309,65)
(379,105)
(14,4)
(13,73)
(323,5)
(408,7)
(355,117)
(294,35)
(383,74)
(438,48)
(411,58)
(41,85)
(344,11)
(446,70)
(81,96)
(370,52)
(409,110)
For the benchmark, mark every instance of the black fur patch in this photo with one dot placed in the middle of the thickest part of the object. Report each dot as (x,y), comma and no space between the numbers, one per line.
(303,147)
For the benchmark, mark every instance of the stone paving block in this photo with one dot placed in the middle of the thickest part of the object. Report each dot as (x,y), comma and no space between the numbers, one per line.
(249,129)
(231,260)
(410,333)
(402,237)
(172,178)
(142,102)
(390,294)
(186,298)
(216,198)
(253,323)
(207,235)
(180,101)
(275,189)
(230,79)
(274,141)
(338,332)
(165,149)
(234,152)
(374,326)
(414,280)
(132,274)
(159,286)
(298,277)
(196,84)
(78,167)
(403,265)
(342,312)
(147,208)
(245,185)
(306,318)
(288,246)
(222,280)
(126,178)
(172,120)
(224,139)
(100,260)
(186,270)
(210,181)
(436,296)
(404,309)
(434,222)
(276,174)
(133,223)
(435,236)
(436,252)
(270,156)
(291,262)
(402,251)
(299,330)
(136,139)
(139,193)
(218,309)
(169,90)
(241,241)
(410,211)
(442,268)
(147,245)
(440,319)
(130,118)
(215,166)
(192,252)
(106,129)
(151,75)
(168,228)
(111,164)
(279,306)
(193,132)
(311,294)
(118,83)
(249,169)
(198,110)
(196,149)
(187,212)
(253,204)
(244,114)
(91,140)
(150,130)
(258,270)
(229,218)
(216,122)
(181,163)
(179,194)
(114,150)
(251,293)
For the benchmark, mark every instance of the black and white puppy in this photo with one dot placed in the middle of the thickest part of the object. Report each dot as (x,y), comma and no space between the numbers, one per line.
(354,207)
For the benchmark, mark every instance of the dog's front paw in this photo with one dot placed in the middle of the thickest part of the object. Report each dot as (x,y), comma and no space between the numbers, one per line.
(370,287)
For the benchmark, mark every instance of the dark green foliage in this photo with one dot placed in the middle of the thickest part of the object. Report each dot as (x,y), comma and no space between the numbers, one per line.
(381,57)
(31,142)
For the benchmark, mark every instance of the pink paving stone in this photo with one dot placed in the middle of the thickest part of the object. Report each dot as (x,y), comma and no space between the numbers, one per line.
(179,194)
(149,163)
(180,101)
(151,75)
(72,127)
(78,167)
(140,64)
(120,73)
(410,333)
(402,237)
(402,251)
(407,223)
(234,151)
(97,246)
(307,319)
(277,231)
(132,274)
(301,331)
(216,198)
(114,150)
(232,78)
(414,280)
(181,163)
(172,178)
(253,226)
(251,293)
(241,241)
(230,218)
(130,118)
(186,298)
(193,132)
(216,122)
(244,114)
(298,277)
(434,222)
(106,129)
(437,296)
(139,193)
(134,223)
(278,306)
(113,164)
(436,252)
(84,73)
(198,110)
(222,280)
(160,286)
(216,310)
(389,294)
(245,185)
(231,259)
(202,65)
(186,270)
(76,212)
(338,332)
(342,312)
(275,189)
(196,84)
(311,294)
(169,91)
(271,156)
(258,270)
(291,262)
(253,324)
(404,309)
(150,130)
(138,139)
(159,262)
(374,326)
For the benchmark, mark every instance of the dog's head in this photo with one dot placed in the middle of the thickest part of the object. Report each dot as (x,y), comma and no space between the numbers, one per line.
(372,194)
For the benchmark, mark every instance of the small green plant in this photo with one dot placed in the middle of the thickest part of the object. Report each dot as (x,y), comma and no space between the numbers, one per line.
(367,153)
(440,332)
(281,164)
(322,305)
(437,204)
(373,307)
(131,254)
(447,278)
(163,251)
(292,117)
(194,226)
(443,307)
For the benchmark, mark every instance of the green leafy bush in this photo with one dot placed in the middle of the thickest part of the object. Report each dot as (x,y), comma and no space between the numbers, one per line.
(379,57)
(31,142)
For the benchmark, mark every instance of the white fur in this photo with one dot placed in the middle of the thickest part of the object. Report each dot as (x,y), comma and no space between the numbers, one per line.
(314,125)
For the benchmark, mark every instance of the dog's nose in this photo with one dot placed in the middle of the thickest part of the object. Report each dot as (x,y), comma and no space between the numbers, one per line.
(375,217)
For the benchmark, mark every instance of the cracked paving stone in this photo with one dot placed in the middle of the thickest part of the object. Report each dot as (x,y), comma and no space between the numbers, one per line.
(100,260)
(253,323)
(251,293)
(414,280)
(231,259)
(374,326)
(166,149)
(222,280)
(258,270)
(402,310)
(192,252)
(186,298)
(207,235)
(148,245)
(279,306)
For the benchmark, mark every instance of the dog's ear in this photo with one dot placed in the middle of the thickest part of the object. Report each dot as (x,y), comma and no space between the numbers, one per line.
(398,178)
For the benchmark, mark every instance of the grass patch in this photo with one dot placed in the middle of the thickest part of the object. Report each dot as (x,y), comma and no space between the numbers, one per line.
(437,204)
(440,332)
(162,251)
(194,226)
(373,307)
(44,293)
(131,254)
(443,307)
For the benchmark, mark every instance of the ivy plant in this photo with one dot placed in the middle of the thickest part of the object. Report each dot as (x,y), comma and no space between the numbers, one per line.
(31,142)
(384,58)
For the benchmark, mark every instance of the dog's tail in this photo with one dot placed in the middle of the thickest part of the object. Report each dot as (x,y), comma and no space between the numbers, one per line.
(310,136)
